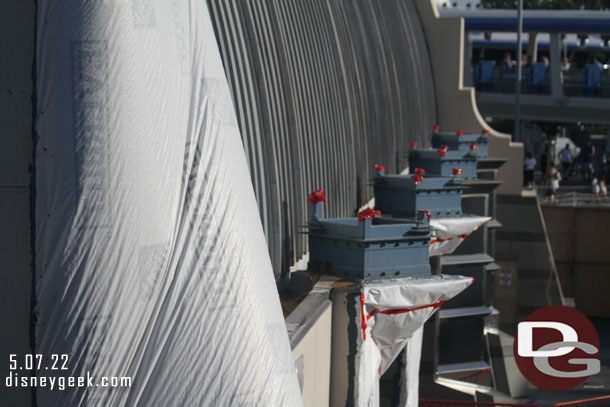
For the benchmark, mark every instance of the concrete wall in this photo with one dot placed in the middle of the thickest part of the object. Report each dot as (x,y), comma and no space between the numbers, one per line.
(578,237)
(522,242)
(312,354)
(17,22)
(309,329)
(456,103)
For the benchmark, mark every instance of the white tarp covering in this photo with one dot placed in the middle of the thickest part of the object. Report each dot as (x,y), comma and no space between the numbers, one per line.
(150,257)
(446,234)
(391,312)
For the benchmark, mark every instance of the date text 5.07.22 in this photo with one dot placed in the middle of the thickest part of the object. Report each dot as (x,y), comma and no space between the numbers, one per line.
(38,362)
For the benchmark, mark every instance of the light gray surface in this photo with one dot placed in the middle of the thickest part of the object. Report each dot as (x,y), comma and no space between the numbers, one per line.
(465,312)
(466,259)
(462,367)
(306,314)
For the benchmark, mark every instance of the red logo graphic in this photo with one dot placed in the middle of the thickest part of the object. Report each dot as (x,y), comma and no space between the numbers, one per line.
(557,348)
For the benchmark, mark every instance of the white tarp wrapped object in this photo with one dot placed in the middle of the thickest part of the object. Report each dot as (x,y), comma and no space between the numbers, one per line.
(391,312)
(446,234)
(150,257)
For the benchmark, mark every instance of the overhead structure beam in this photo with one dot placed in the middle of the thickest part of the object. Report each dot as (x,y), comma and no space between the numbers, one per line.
(517,131)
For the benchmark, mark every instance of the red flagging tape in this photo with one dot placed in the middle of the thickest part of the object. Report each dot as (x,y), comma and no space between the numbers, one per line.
(367,213)
(317,196)
(363,316)
(464,236)
(397,311)
(442,151)
(417,178)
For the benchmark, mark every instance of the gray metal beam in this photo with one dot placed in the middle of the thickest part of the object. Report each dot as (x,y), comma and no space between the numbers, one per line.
(555,66)
(545,107)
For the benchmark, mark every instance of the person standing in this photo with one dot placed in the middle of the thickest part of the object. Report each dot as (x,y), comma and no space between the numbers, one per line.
(530,167)
(603,189)
(588,158)
(566,157)
(507,62)
(555,177)
(595,189)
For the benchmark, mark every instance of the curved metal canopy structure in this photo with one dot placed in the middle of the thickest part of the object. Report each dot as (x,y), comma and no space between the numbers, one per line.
(323,90)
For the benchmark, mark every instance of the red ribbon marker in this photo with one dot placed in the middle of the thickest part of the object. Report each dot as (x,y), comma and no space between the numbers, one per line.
(457,171)
(420,171)
(378,167)
(442,151)
(400,311)
(436,128)
(417,178)
(367,213)
(464,236)
(460,133)
(474,146)
(413,144)
(317,196)
(363,316)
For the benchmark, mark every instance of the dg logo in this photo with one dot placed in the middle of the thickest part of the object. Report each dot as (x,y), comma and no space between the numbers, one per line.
(557,348)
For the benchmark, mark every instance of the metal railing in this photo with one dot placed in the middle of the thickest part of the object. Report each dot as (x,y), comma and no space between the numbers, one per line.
(586,82)
(458,403)
(603,401)
(573,198)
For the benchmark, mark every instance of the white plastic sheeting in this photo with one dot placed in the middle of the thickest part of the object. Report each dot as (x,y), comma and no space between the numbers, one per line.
(391,312)
(151,261)
(446,234)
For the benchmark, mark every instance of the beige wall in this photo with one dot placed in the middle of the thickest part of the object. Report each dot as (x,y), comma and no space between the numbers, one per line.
(456,104)
(579,242)
(314,354)
(16,113)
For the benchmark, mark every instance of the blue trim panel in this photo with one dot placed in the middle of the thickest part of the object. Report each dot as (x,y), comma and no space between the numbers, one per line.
(550,25)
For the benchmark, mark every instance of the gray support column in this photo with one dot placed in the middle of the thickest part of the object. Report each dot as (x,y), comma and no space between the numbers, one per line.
(17,47)
(517,128)
(468,80)
(344,345)
(532,46)
(555,66)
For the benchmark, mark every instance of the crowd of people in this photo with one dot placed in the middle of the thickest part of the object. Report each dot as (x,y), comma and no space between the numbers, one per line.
(566,64)
(589,166)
